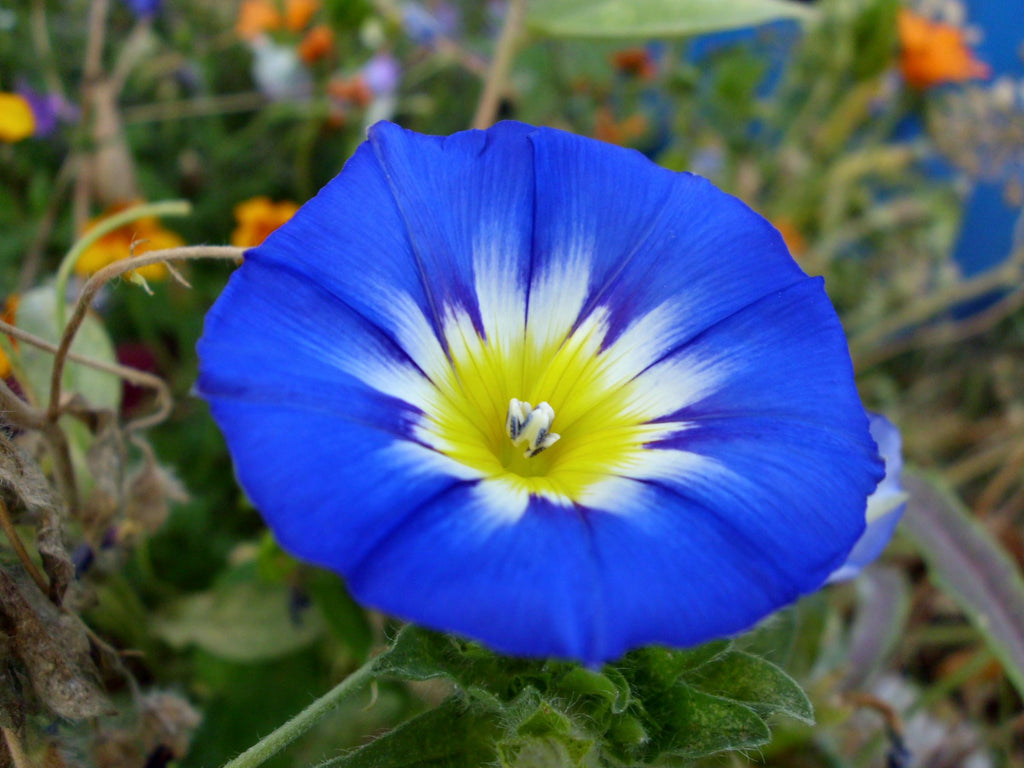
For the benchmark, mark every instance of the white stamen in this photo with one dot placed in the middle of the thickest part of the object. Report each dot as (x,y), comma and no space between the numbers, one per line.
(529,425)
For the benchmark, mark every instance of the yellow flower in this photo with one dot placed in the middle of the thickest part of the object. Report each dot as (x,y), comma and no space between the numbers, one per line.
(16,119)
(257,218)
(132,239)
(933,53)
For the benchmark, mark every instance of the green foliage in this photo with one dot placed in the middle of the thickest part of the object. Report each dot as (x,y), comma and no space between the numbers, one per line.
(654,706)
(37,315)
(240,621)
(655,18)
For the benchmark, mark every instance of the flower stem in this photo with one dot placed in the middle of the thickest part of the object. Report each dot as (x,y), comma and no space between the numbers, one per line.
(274,742)
(136,212)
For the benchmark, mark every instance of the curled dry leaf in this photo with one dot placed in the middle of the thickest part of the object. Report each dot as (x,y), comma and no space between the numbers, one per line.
(105,459)
(53,648)
(150,490)
(27,491)
(165,721)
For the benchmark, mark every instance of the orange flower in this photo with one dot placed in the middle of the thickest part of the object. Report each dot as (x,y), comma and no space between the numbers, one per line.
(8,315)
(298,13)
(257,218)
(317,43)
(622,132)
(351,90)
(135,238)
(933,52)
(636,62)
(792,236)
(17,121)
(256,17)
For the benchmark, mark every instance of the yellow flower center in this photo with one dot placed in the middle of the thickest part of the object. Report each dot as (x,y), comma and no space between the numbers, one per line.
(482,415)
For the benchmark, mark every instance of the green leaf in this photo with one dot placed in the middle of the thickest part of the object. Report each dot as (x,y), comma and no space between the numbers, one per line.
(448,736)
(344,616)
(690,723)
(654,668)
(36,313)
(418,654)
(609,684)
(755,682)
(971,567)
(543,752)
(242,621)
(655,18)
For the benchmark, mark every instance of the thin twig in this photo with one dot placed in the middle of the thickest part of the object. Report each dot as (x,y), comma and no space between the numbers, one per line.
(19,549)
(17,411)
(17,752)
(41,40)
(34,255)
(131,375)
(63,470)
(132,51)
(92,70)
(108,225)
(1007,276)
(999,485)
(98,280)
(497,74)
(953,332)
(203,106)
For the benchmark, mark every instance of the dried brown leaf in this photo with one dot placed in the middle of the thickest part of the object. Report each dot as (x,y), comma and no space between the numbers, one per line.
(105,459)
(26,490)
(54,649)
(150,491)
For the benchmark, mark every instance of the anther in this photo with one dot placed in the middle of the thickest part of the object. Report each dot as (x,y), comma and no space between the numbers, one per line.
(530,426)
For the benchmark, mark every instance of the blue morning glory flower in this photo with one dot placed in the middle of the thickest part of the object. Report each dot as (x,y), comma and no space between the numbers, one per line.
(885,506)
(533,389)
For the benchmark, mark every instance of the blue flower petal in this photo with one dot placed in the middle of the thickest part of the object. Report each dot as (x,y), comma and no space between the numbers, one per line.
(885,506)
(714,459)
(627,219)
(527,589)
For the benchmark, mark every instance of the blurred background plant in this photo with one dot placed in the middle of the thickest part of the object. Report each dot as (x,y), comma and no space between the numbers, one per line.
(147,616)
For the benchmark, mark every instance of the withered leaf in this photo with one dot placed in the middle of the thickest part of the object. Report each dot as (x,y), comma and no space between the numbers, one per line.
(26,489)
(105,459)
(54,649)
(150,490)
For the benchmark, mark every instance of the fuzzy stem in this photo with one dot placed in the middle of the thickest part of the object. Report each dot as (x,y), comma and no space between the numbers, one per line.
(277,740)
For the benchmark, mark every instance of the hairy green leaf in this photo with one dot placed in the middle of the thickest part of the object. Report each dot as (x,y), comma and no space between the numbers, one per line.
(686,722)
(753,681)
(451,735)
